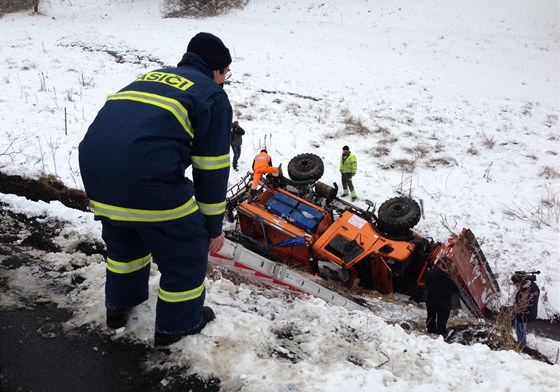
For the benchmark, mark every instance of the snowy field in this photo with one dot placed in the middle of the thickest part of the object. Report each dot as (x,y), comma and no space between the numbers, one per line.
(457,103)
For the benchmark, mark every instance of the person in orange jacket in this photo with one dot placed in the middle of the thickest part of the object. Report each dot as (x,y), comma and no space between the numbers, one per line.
(262,163)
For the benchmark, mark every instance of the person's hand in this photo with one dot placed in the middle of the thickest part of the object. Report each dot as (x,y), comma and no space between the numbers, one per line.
(216,244)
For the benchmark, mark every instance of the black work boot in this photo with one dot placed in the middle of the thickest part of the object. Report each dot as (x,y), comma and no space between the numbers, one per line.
(117,318)
(251,197)
(165,339)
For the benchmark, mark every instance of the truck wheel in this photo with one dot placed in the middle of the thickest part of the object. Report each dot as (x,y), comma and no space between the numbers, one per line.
(398,215)
(305,167)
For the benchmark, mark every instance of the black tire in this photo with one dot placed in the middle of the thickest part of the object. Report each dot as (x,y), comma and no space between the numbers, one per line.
(398,215)
(306,167)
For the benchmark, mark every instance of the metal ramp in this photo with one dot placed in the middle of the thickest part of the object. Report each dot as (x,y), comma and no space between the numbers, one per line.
(237,258)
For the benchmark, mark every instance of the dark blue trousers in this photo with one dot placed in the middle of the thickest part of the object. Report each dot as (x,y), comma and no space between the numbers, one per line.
(236,154)
(180,251)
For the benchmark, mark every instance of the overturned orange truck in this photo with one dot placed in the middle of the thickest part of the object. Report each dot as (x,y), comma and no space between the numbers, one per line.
(301,222)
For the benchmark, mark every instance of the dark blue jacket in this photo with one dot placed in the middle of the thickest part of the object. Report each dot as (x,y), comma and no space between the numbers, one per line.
(134,154)
(440,288)
(527,301)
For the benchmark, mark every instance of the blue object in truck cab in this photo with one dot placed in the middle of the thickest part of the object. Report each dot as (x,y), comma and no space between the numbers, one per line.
(292,210)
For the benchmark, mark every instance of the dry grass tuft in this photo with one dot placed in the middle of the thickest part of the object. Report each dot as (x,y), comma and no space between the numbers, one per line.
(355,126)
(406,165)
(388,140)
(380,151)
(549,173)
(488,141)
(384,132)
(472,150)
(441,161)
(419,151)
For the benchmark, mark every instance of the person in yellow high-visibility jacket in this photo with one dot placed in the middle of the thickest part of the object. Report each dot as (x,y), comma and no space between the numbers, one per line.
(348,168)
(262,163)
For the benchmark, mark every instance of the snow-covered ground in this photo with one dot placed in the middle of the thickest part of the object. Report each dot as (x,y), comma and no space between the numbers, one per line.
(455,102)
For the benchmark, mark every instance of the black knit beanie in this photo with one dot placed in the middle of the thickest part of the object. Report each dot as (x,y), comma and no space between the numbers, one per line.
(211,49)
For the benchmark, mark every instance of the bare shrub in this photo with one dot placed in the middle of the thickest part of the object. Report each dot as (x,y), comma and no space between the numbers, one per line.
(85,81)
(503,329)
(451,227)
(12,149)
(545,213)
(7,6)
(200,8)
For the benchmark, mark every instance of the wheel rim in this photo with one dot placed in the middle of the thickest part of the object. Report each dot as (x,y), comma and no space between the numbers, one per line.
(304,165)
(399,209)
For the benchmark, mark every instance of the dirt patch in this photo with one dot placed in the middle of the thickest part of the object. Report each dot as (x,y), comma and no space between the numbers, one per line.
(46,188)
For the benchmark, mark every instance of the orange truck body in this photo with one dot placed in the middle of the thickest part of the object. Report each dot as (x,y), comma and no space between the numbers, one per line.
(299,233)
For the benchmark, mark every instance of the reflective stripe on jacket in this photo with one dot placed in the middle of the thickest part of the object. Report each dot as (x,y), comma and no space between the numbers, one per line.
(261,160)
(134,154)
(348,164)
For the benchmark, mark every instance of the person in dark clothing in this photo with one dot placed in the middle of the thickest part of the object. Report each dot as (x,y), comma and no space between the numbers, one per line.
(440,290)
(526,305)
(236,140)
(133,160)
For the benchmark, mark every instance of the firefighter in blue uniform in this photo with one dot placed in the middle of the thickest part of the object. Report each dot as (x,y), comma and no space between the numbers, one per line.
(133,160)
